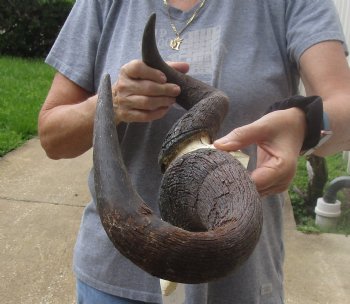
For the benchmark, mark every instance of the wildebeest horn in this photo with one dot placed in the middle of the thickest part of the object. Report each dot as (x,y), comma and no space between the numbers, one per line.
(212,214)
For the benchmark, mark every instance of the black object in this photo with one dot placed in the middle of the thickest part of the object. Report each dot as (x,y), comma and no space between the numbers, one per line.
(313,109)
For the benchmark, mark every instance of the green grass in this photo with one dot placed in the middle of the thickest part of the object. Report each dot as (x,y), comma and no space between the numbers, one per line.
(24,84)
(336,167)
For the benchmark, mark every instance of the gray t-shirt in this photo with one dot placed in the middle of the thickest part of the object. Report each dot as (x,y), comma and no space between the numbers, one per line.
(250,50)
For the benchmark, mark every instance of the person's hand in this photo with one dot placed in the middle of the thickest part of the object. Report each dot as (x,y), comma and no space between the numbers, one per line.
(279,137)
(142,94)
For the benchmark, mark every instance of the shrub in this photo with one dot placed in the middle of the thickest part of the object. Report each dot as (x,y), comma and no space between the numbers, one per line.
(28,28)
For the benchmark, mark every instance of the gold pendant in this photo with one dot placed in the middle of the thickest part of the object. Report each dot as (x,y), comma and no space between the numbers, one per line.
(175,43)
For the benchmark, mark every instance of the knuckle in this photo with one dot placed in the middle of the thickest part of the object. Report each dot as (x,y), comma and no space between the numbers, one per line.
(148,87)
(121,85)
(121,101)
(130,68)
(135,67)
(238,133)
(125,87)
(172,90)
(124,69)
(168,101)
(136,62)
(144,103)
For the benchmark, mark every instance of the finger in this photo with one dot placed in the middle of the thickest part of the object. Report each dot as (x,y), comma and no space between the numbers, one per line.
(150,88)
(141,102)
(273,176)
(133,115)
(182,67)
(137,69)
(264,179)
(273,189)
(240,137)
(126,87)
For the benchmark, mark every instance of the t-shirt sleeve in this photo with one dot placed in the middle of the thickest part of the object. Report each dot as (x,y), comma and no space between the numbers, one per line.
(74,51)
(309,22)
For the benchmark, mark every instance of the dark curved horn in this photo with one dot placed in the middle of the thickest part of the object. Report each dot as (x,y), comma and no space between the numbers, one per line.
(208,105)
(192,90)
(208,244)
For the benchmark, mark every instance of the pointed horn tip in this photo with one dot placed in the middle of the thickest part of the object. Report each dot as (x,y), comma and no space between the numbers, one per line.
(106,80)
(105,85)
(151,22)
(105,99)
(153,16)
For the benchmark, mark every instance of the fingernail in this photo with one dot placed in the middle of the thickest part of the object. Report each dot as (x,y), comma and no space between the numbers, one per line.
(176,89)
(163,78)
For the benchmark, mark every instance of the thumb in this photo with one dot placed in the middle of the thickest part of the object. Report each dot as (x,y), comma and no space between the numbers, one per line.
(239,138)
(181,67)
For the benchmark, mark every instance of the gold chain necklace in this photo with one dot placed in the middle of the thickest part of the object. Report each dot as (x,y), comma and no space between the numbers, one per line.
(176,42)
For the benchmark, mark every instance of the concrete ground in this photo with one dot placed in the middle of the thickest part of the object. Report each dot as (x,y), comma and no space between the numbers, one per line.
(41,202)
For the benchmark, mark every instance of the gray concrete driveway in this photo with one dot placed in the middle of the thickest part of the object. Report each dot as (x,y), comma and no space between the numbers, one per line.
(41,202)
